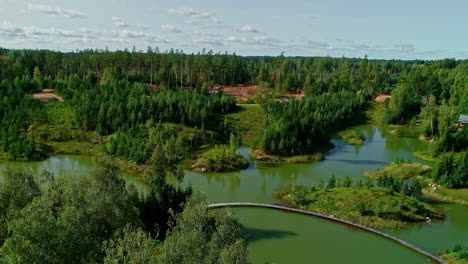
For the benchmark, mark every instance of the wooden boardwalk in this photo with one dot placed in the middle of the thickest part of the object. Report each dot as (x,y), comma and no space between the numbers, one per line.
(335,219)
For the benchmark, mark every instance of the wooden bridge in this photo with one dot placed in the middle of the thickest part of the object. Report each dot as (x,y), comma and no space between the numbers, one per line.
(335,219)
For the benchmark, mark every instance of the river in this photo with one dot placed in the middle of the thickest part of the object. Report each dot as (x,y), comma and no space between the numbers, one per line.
(279,237)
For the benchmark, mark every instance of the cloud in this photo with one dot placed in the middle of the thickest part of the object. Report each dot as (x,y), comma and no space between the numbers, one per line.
(196,17)
(170,28)
(128,34)
(405,47)
(257,40)
(160,40)
(10,30)
(248,29)
(209,41)
(317,44)
(119,22)
(56,11)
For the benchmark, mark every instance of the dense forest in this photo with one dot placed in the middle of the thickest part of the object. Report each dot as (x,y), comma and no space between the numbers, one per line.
(131,92)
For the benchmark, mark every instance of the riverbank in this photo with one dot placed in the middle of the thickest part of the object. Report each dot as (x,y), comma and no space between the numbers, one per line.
(402,170)
(261,155)
(441,194)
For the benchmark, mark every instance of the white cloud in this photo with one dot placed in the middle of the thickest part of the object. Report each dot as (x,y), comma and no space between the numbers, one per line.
(160,40)
(56,11)
(128,34)
(119,22)
(248,29)
(317,44)
(405,47)
(170,28)
(208,41)
(196,17)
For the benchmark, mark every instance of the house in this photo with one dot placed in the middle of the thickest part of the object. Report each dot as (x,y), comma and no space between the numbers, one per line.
(462,121)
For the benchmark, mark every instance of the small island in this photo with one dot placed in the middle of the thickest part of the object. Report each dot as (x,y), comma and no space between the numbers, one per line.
(220,159)
(373,207)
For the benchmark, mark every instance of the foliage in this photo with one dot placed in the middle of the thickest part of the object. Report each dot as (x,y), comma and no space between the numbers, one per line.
(220,159)
(302,126)
(352,136)
(452,171)
(203,238)
(372,207)
(402,170)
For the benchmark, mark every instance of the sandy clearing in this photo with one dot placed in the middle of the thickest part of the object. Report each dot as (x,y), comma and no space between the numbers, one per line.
(380,98)
(47,95)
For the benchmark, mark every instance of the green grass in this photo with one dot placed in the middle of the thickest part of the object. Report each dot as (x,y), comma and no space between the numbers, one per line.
(402,170)
(304,158)
(249,122)
(351,136)
(259,154)
(450,259)
(442,194)
(457,255)
(220,159)
(373,207)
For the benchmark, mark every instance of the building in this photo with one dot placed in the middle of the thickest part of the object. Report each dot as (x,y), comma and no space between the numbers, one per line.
(462,121)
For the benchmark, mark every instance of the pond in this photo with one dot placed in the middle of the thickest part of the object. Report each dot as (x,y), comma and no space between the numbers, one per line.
(280,237)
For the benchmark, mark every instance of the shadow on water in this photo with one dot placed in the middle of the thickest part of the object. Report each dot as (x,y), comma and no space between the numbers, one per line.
(254,234)
(362,162)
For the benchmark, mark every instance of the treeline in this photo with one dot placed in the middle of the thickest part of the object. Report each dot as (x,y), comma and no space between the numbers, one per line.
(303,126)
(175,69)
(439,90)
(98,219)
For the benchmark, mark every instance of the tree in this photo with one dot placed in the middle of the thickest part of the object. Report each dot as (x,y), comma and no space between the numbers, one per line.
(131,246)
(201,238)
(17,189)
(348,181)
(331,182)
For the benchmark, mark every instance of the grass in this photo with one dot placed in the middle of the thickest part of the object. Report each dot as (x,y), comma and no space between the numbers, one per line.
(259,154)
(373,207)
(450,259)
(249,122)
(220,159)
(442,194)
(304,158)
(402,170)
(457,255)
(351,136)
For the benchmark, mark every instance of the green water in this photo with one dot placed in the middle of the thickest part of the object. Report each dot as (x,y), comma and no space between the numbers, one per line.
(279,237)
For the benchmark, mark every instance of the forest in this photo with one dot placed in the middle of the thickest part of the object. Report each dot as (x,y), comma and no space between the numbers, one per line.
(130,92)
(159,109)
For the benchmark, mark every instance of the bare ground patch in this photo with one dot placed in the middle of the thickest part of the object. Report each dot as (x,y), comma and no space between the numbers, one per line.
(47,95)
(245,92)
(380,98)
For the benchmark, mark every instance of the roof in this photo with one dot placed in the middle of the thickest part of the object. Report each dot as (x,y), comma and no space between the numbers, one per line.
(463,119)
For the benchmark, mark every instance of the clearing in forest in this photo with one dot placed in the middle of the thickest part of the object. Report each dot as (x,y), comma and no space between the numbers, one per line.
(380,98)
(47,95)
(245,92)
(249,123)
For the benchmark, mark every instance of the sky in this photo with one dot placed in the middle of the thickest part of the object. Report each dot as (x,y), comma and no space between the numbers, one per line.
(396,29)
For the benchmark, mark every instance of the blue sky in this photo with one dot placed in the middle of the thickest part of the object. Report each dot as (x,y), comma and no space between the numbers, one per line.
(410,29)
